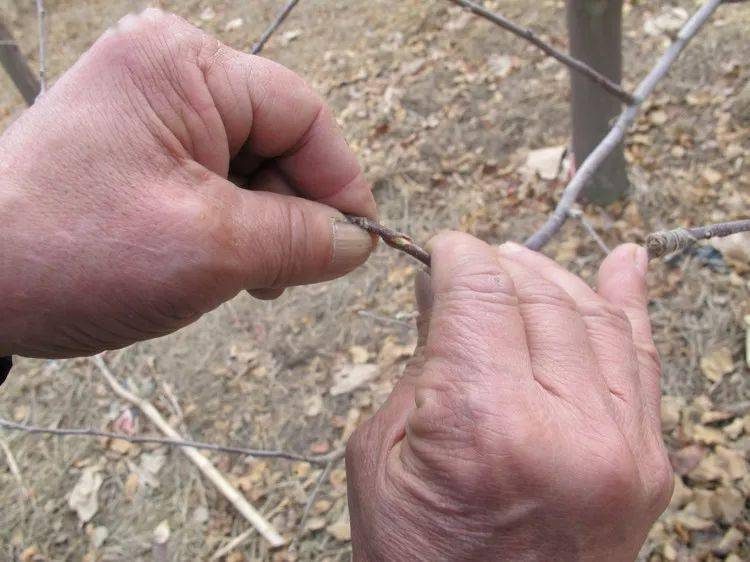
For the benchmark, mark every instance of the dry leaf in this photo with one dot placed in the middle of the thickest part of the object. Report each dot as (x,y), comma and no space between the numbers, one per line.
(669,21)
(717,363)
(545,162)
(313,405)
(233,24)
(711,176)
(658,117)
(707,435)
(733,462)
(341,530)
(681,494)
(359,354)
(132,483)
(120,446)
(83,497)
(727,504)
(350,377)
(29,554)
(98,536)
(686,459)
(735,249)
(315,523)
(671,406)
(729,542)
(161,533)
(692,522)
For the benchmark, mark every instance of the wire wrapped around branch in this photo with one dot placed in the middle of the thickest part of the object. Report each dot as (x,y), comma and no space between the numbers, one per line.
(666,242)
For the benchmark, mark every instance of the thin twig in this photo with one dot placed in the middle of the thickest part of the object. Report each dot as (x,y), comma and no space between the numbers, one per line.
(578,214)
(85,432)
(618,131)
(667,241)
(310,502)
(41,15)
(231,545)
(15,64)
(258,47)
(393,238)
(13,466)
(569,61)
(383,319)
(261,524)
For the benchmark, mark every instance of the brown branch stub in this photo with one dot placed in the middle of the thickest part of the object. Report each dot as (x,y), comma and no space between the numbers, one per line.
(666,242)
(392,238)
(258,47)
(569,61)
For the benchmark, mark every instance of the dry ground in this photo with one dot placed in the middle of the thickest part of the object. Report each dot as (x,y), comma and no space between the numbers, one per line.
(442,109)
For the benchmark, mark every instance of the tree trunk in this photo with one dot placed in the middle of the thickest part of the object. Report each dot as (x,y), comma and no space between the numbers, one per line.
(15,65)
(595,37)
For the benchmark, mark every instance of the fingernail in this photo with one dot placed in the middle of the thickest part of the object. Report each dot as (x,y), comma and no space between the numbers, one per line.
(640,258)
(510,248)
(351,246)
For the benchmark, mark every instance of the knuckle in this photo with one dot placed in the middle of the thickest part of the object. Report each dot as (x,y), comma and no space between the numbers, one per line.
(547,297)
(606,314)
(140,41)
(649,356)
(484,285)
(617,478)
(292,234)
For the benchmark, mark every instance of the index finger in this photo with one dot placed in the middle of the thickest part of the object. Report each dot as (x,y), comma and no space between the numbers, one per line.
(291,124)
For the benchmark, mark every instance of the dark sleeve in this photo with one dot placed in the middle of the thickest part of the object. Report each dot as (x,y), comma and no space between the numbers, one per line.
(5,364)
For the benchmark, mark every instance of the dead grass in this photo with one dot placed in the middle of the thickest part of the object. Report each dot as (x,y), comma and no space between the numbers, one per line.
(443,139)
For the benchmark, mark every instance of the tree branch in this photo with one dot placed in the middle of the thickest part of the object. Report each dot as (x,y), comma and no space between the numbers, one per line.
(665,242)
(392,238)
(569,61)
(41,14)
(85,432)
(258,47)
(584,173)
(578,214)
(16,66)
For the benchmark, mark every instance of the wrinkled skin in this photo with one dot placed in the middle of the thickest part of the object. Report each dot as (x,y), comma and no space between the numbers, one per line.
(118,222)
(527,425)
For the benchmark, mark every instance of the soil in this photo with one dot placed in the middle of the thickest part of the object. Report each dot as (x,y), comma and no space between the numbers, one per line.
(442,109)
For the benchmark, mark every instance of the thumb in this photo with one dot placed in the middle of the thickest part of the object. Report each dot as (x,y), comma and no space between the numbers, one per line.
(279,241)
(622,281)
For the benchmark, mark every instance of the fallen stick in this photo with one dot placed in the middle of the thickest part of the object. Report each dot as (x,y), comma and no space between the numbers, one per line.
(204,465)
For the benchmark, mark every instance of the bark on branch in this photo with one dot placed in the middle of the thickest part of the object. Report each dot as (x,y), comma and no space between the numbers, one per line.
(258,47)
(569,61)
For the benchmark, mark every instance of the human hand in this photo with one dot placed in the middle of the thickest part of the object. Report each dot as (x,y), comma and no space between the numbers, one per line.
(118,223)
(526,427)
